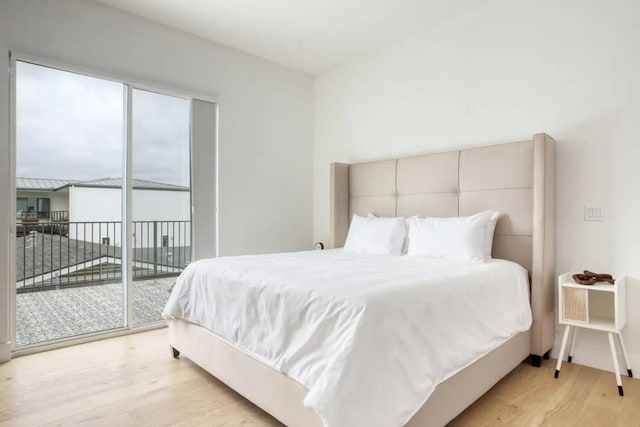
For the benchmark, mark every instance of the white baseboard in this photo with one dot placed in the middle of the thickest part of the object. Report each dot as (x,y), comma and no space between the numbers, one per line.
(5,352)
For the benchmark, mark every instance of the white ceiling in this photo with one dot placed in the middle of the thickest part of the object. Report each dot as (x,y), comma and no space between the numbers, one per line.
(308,35)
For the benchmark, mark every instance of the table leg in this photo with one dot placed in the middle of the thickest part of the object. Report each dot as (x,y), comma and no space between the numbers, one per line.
(616,368)
(563,347)
(573,343)
(624,353)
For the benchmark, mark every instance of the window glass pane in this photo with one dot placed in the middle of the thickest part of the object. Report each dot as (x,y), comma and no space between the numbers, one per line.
(21,204)
(69,149)
(161,199)
(43,205)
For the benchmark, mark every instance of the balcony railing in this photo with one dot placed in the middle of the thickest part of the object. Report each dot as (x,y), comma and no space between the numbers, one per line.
(51,255)
(54,216)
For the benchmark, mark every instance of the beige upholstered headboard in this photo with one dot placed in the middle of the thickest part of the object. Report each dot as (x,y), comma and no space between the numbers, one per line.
(518,179)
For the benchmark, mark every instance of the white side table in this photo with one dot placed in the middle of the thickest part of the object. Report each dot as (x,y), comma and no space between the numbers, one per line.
(602,307)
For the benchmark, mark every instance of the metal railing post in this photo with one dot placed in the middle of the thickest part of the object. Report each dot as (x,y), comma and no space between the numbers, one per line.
(155,248)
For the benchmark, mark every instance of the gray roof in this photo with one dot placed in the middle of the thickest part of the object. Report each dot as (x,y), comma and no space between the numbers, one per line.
(41,184)
(46,253)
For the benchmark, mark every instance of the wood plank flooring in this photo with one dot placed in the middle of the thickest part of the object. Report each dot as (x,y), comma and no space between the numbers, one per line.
(133,380)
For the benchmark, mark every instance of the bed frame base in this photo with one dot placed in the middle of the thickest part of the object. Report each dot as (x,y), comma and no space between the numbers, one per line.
(175,353)
(537,360)
(282,397)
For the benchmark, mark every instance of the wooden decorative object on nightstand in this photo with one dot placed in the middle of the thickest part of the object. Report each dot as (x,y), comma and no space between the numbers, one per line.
(602,307)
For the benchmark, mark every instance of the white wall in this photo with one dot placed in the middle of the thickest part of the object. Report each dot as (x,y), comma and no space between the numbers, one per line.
(265,149)
(164,208)
(104,204)
(59,201)
(160,205)
(501,72)
(94,205)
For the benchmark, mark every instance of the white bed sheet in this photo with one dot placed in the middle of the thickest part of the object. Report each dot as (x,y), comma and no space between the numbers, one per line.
(370,336)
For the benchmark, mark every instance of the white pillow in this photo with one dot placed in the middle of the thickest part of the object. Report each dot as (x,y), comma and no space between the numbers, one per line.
(376,236)
(460,238)
(491,228)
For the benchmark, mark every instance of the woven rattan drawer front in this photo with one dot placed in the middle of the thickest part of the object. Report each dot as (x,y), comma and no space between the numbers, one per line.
(576,305)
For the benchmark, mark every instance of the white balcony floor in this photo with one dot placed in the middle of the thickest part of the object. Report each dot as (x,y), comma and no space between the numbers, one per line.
(54,314)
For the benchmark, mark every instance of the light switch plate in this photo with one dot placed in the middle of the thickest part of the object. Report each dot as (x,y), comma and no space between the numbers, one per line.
(593,213)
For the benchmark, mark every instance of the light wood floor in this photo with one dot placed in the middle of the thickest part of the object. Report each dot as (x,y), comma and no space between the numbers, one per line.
(133,380)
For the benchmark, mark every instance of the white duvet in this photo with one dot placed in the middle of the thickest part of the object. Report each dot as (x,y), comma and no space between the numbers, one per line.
(370,336)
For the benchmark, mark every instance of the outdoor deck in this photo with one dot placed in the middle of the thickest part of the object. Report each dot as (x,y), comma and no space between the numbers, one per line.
(53,314)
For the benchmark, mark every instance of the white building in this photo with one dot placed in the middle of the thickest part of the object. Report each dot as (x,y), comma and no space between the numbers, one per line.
(93,209)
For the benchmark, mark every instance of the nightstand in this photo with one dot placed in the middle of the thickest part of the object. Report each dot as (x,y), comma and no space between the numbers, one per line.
(602,307)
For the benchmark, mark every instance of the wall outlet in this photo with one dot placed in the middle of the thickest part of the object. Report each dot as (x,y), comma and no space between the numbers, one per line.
(593,213)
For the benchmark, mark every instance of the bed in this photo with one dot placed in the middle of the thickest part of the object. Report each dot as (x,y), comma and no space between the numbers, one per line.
(517,179)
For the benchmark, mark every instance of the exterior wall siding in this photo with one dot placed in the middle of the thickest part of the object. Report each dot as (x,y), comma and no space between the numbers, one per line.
(160,210)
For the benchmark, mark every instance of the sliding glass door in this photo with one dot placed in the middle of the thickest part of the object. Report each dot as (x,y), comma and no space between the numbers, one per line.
(102,201)
(161,199)
(68,216)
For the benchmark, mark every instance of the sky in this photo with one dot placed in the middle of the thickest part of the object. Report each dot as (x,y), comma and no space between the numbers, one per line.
(71,126)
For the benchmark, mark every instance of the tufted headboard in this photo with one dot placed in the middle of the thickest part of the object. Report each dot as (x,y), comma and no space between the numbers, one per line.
(518,179)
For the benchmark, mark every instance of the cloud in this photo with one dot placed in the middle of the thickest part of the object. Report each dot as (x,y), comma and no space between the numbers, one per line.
(71,126)
(160,137)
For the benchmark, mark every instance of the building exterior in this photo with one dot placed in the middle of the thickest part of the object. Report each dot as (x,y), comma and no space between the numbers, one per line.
(43,199)
(92,210)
